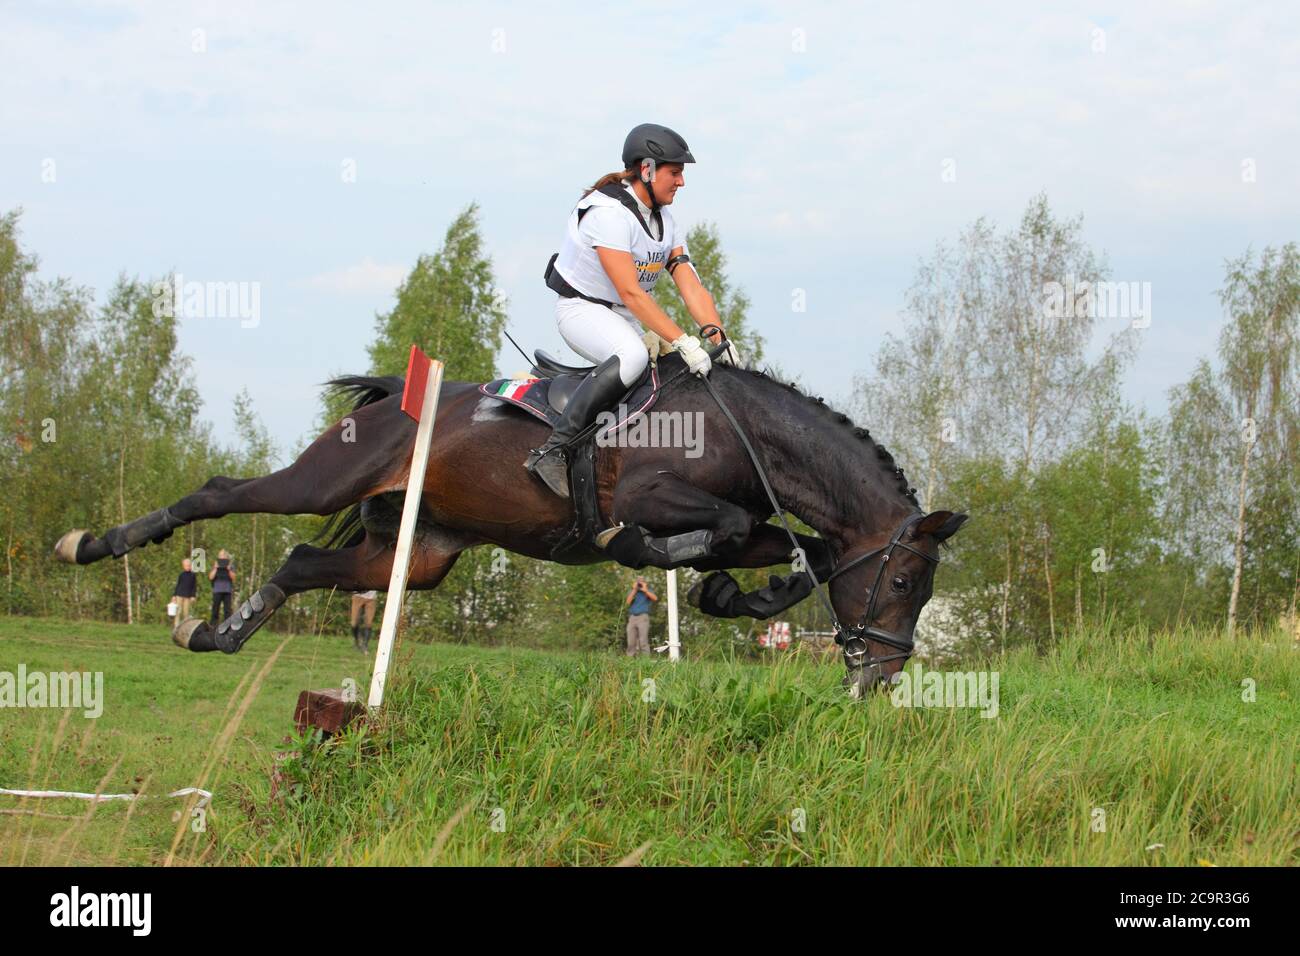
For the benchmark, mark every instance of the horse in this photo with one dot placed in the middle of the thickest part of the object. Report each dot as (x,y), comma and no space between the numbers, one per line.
(875,551)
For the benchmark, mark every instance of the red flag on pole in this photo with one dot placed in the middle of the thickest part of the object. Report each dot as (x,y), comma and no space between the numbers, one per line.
(420,401)
(417,376)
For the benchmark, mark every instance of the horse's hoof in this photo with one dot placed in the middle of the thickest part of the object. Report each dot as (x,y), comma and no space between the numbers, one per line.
(66,549)
(194,634)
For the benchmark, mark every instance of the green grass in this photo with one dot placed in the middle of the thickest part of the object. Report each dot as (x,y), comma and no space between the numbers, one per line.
(524,757)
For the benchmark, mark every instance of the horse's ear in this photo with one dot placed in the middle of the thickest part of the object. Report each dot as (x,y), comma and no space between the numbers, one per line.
(940,525)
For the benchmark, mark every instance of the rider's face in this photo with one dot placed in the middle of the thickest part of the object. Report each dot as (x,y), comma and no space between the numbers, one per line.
(668,179)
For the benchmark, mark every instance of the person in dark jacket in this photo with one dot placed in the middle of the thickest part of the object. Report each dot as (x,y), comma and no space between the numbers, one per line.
(183,594)
(222,577)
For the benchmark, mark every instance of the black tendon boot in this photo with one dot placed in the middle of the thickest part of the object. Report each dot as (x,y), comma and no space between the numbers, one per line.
(356,637)
(365,640)
(634,547)
(593,396)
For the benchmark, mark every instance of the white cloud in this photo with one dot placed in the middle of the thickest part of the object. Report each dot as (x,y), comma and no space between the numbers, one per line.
(366,276)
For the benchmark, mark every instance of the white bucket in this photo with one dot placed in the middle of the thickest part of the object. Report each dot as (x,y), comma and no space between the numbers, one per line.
(172,608)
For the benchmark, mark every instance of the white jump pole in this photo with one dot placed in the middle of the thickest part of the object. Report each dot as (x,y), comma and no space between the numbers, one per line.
(674,635)
(423,406)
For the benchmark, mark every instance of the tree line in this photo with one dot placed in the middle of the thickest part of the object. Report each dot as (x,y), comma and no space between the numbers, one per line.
(1003,392)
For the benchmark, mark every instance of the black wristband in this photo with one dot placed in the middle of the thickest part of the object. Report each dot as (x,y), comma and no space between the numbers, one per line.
(675,261)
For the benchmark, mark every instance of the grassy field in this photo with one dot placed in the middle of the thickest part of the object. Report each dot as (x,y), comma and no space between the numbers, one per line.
(522,757)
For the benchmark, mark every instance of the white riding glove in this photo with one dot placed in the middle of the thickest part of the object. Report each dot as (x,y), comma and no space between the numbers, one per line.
(697,360)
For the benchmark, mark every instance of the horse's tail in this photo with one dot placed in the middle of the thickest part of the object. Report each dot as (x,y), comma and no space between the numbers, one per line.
(343,528)
(365,389)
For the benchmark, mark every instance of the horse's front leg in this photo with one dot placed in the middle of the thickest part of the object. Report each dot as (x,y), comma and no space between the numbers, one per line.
(719,594)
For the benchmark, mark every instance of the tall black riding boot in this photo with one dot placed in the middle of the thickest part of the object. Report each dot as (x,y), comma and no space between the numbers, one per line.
(591,398)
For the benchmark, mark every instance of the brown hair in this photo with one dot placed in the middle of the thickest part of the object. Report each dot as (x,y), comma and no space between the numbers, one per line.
(624,176)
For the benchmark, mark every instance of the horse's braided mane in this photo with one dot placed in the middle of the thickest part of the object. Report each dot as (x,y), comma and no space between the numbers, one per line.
(885,459)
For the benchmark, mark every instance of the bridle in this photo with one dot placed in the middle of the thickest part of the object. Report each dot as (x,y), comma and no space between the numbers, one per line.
(854,638)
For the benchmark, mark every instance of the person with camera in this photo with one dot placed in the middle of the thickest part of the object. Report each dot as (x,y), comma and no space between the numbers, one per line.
(640,601)
(222,577)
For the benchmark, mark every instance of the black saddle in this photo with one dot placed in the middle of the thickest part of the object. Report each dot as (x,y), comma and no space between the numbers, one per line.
(565,380)
(547,366)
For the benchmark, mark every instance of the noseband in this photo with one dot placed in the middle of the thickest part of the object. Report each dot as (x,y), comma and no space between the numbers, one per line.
(854,638)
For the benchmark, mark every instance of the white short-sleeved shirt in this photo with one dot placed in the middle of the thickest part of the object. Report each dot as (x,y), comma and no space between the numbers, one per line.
(610,224)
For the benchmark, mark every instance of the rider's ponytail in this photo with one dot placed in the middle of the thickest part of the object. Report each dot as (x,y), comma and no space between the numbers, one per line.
(624,176)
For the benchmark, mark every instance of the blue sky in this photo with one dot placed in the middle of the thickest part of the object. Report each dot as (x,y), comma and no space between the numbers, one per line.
(820,132)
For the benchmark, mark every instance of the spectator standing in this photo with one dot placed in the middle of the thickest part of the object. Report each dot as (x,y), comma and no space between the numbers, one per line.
(363,615)
(222,577)
(187,584)
(640,601)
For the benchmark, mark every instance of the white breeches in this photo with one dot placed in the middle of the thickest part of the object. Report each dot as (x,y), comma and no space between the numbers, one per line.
(596,333)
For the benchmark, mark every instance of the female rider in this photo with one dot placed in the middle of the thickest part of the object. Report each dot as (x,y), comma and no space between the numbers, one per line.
(620,237)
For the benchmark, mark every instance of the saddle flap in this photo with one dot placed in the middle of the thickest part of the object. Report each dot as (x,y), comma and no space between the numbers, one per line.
(561,390)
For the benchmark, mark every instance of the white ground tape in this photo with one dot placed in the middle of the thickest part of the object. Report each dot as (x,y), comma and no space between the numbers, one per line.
(203,801)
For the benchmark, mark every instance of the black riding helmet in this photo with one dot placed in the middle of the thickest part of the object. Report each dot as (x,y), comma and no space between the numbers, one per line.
(652,141)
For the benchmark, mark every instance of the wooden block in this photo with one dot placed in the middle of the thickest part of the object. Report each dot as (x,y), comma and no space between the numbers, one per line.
(325,710)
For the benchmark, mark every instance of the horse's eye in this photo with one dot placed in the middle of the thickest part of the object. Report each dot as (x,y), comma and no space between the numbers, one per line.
(899,584)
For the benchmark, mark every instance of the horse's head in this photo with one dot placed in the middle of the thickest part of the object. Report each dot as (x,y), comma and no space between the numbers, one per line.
(878,591)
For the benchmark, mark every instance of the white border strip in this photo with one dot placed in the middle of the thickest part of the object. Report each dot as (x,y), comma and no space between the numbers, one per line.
(206,796)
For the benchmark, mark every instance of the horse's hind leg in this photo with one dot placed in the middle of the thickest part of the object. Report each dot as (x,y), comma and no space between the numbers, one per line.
(362,567)
(328,477)
(705,525)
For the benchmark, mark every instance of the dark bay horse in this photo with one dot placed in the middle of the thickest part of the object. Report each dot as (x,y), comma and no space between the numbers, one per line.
(709,512)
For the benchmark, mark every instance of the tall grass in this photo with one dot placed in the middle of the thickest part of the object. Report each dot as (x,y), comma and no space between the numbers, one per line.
(1113,748)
